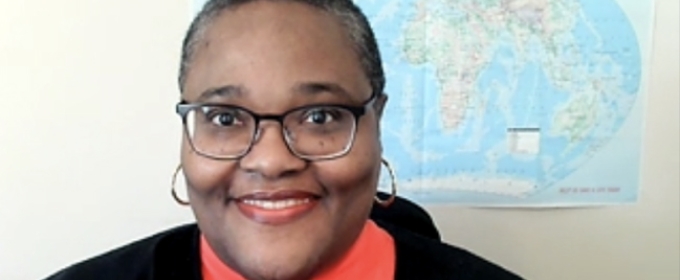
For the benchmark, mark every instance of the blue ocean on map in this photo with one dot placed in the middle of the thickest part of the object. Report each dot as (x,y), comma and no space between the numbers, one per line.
(538,106)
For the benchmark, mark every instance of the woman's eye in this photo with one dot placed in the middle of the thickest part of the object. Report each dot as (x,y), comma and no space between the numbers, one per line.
(224,118)
(320,116)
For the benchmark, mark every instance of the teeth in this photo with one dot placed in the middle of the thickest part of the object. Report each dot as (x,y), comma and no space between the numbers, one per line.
(276,204)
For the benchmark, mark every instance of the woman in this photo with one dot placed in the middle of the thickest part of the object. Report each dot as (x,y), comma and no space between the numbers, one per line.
(281,102)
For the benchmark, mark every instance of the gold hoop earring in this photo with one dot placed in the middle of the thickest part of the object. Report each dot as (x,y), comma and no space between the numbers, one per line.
(172,189)
(387,202)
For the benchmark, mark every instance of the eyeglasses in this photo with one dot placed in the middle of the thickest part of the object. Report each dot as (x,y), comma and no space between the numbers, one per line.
(227,132)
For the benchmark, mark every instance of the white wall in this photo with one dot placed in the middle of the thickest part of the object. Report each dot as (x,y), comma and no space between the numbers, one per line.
(88,141)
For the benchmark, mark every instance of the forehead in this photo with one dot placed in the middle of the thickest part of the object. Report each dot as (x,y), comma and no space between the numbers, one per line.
(271,47)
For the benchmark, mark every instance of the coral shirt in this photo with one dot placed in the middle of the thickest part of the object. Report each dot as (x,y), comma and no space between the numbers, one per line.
(371,257)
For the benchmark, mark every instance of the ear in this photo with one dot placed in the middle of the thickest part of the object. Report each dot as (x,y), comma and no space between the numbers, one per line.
(380,102)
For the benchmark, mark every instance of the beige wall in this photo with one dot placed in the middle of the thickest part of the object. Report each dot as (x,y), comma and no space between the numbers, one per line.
(88,141)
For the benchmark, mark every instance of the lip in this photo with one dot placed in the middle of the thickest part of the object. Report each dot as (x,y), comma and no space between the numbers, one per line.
(276,208)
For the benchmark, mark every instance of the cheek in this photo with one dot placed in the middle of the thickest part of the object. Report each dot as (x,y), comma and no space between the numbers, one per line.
(356,172)
(204,176)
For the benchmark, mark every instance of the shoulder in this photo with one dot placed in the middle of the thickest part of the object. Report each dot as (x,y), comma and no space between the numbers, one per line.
(420,257)
(139,259)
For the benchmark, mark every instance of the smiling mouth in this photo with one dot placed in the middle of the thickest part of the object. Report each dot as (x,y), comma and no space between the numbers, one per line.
(276,204)
(276,208)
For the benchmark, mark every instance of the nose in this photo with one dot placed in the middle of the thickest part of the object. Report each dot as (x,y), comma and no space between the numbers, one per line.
(269,156)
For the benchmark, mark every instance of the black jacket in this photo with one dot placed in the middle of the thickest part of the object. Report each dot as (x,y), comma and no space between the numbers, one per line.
(174,254)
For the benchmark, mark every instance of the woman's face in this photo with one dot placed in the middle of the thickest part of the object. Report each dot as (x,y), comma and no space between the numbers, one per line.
(275,54)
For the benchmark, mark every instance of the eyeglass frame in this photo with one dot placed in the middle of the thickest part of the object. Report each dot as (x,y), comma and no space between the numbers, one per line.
(184,107)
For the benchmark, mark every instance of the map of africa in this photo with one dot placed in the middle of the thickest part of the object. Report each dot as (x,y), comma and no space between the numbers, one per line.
(513,102)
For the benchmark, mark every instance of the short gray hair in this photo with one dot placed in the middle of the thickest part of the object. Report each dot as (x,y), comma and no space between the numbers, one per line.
(350,16)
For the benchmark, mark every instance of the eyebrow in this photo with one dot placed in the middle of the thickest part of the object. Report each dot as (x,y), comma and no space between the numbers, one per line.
(223,91)
(314,88)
